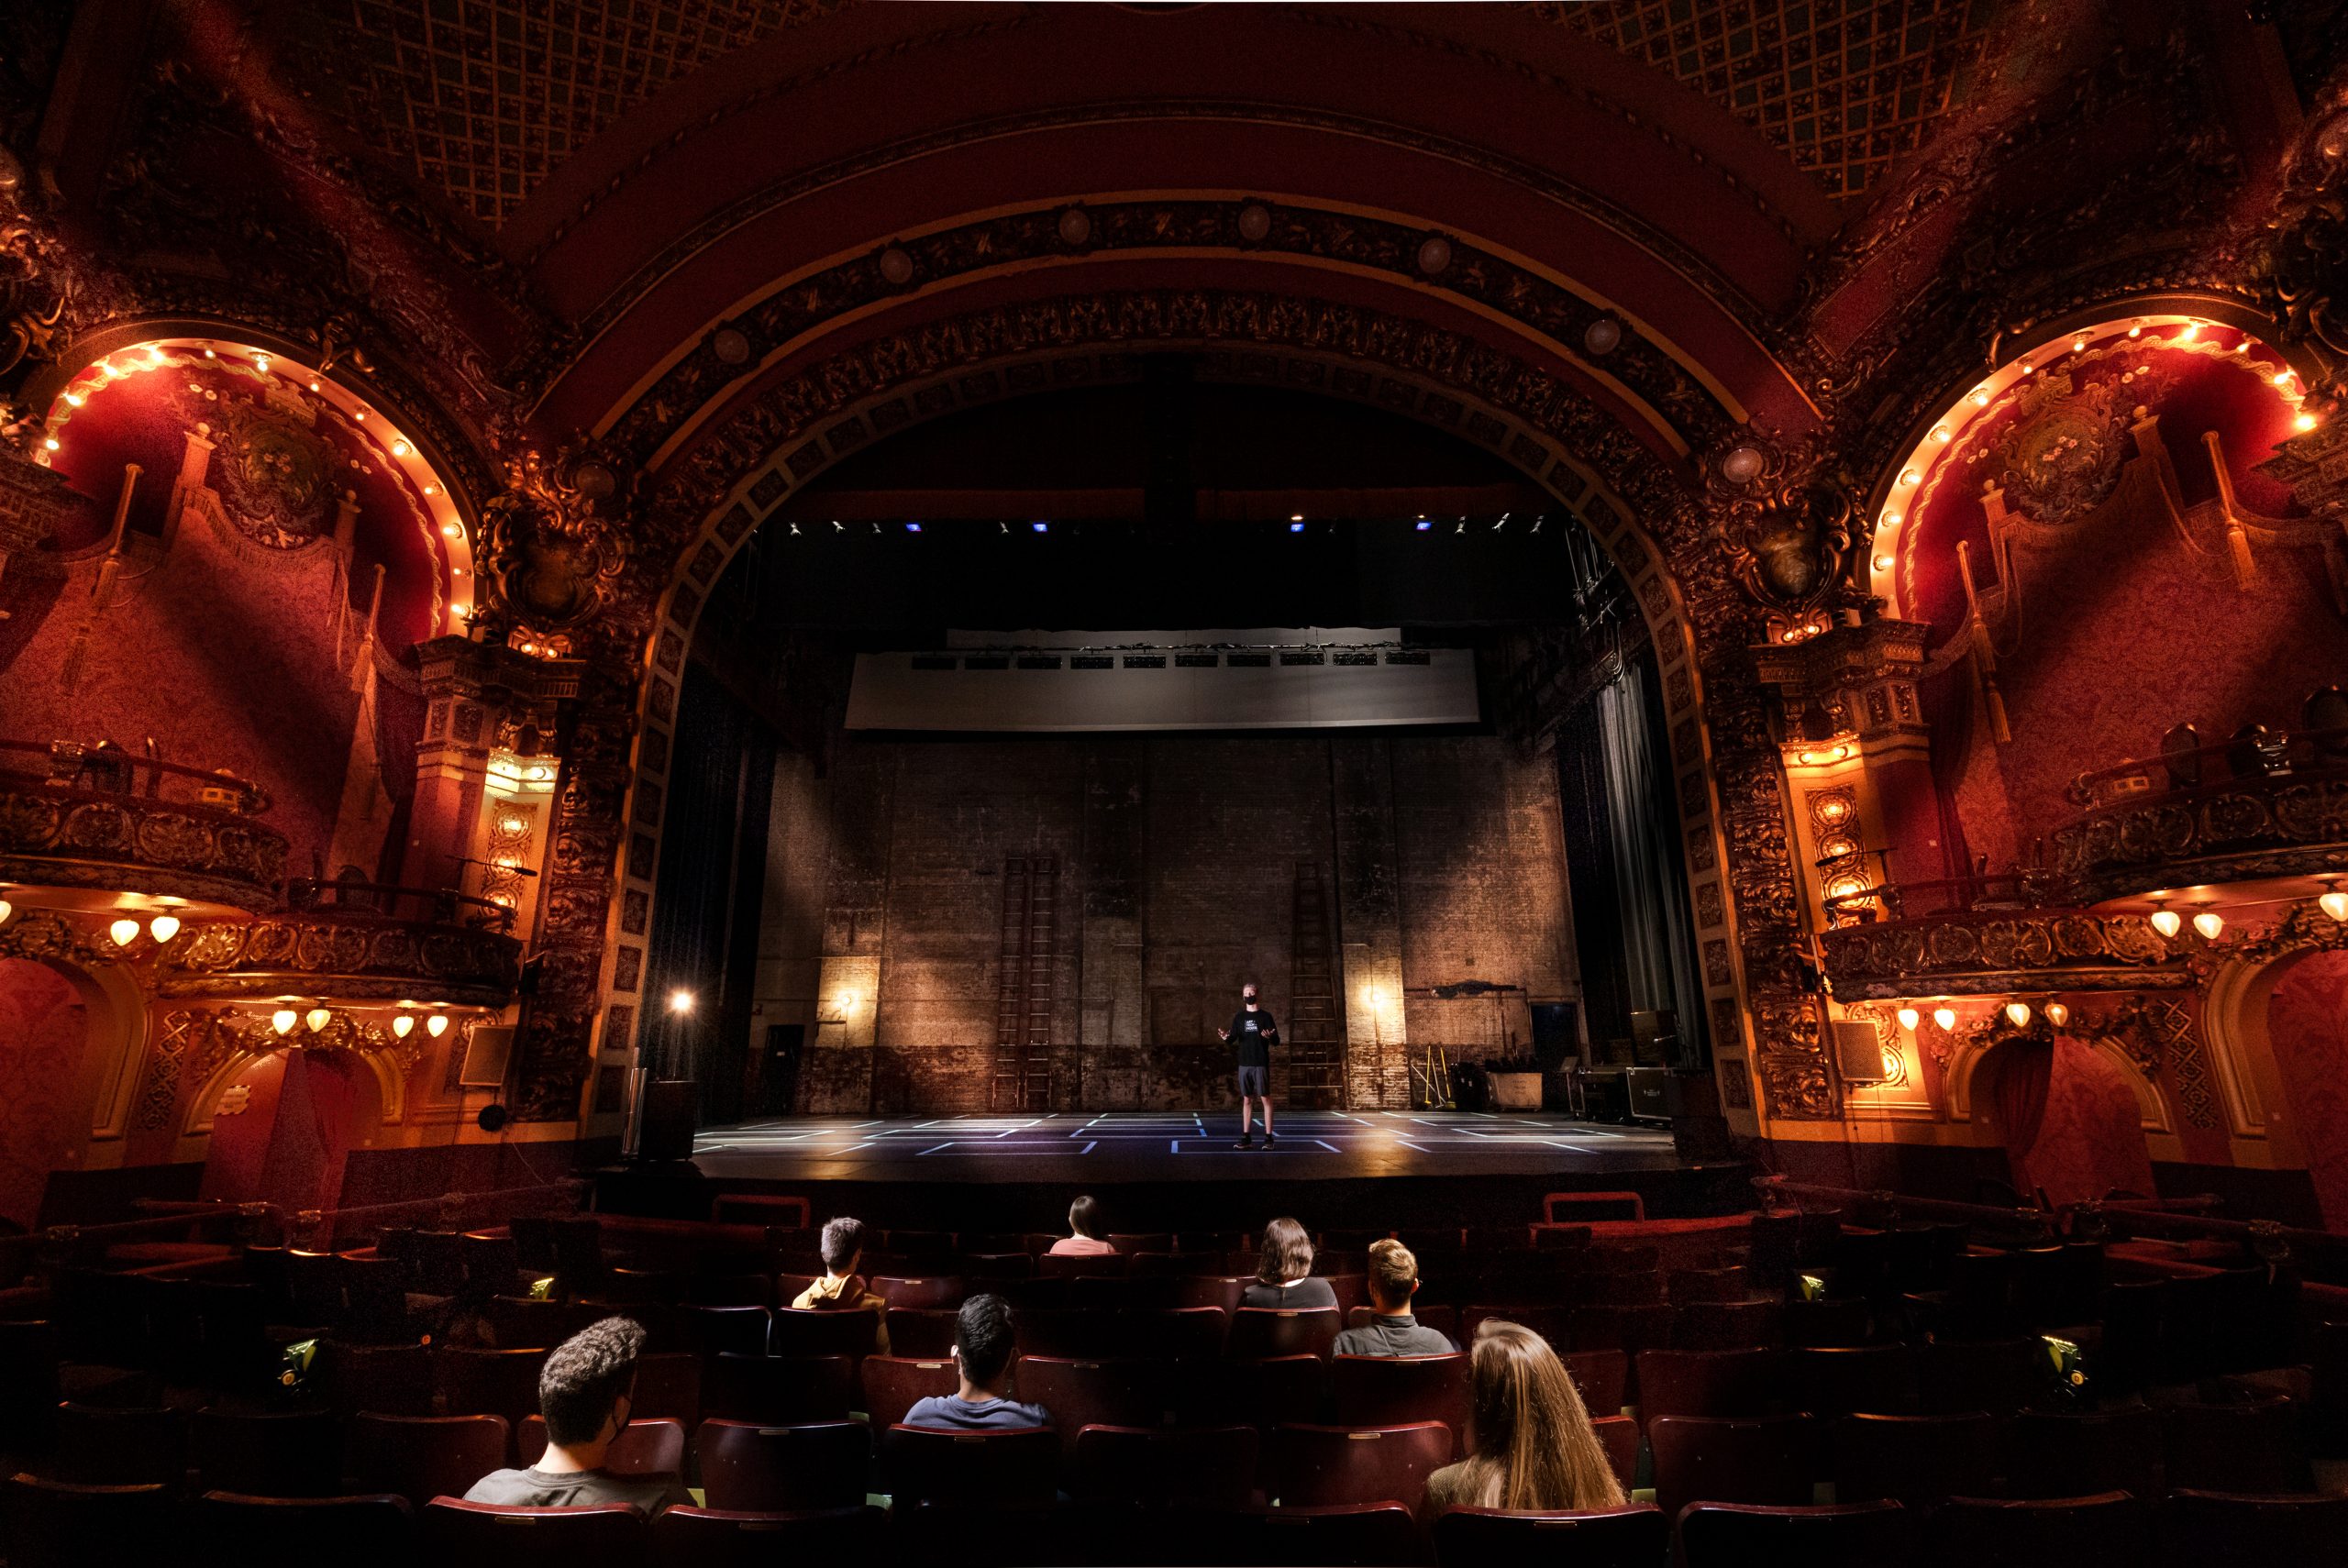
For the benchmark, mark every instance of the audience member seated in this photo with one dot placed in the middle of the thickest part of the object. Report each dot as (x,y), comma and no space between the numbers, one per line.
(1533,1445)
(1084,1220)
(983,1352)
(1391,1330)
(586,1393)
(1284,1271)
(842,1287)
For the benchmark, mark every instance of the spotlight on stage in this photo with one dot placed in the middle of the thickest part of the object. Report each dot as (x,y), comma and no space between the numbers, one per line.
(1041,527)
(681,1001)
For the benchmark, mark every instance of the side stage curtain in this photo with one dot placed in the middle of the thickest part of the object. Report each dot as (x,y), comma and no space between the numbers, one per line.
(2026,1068)
(710,889)
(1658,938)
(1589,876)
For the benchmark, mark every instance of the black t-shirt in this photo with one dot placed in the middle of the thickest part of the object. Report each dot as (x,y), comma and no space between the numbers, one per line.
(1253,1033)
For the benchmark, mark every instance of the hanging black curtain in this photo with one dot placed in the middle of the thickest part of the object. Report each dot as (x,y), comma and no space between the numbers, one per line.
(705,934)
(1583,799)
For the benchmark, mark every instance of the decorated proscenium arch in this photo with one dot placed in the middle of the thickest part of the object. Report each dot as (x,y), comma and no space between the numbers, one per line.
(1628,496)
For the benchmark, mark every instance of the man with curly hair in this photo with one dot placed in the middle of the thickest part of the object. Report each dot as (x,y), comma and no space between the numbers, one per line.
(586,1392)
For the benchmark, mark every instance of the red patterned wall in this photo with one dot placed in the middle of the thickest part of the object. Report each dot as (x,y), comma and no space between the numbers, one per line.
(43,1119)
(2092,1139)
(2307,1026)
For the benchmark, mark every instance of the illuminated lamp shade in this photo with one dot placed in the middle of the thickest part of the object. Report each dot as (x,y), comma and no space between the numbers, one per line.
(283,1020)
(1909,1017)
(2209,925)
(6,909)
(125,932)
(2018,1013)
(2169,922)
(163,927)
(1945,1016)
(2058,1014)
(437,1025)
(2335,903)
(317,1018)
(403,1025)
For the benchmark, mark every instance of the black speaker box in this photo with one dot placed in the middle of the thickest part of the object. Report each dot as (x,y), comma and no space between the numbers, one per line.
(672,1111)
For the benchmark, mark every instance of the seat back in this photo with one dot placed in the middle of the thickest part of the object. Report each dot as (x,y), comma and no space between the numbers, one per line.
(393,1379)
(1920,1460)
(777,1389)
(1316,1465)
(422,1457)
(363,1531)
(1081,1393)
(1011,1467)
(922,1332)
(275,1454)
(653,1446)
(2109,1526)
(2251,1445)
(1080,1265)
(491,1382)
(1997,1375)
(1372,1535)
(894,1385)
(1066,1331)
(1165,1466)
(717,1538)
(1840,1535)
(1633,1536)
(1618,1436)
(1143,1242)
(1847,1379)
(480,1535)
(1175,1333)
(523,1322)
(1757,1459)
(1709,1383)
(98,1446)
(810,1331)
(48,1523)
(928,1293)
(1259,1332)
(2078,1453)
(2222,1529)
(714,1331)
(1396,1390)
(760,1469)
(1267,1393)
(1214,1290)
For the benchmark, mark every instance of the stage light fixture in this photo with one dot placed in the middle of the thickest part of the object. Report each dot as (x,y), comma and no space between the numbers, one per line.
(1422,525)
(681,1001)
(2209,925)
(317,1018)
(163,927)
(1296,527)
(2018,1013)
(125,932)
(1909,1017)
(1296,516)
(403,1025)
(1041,527)
(1945,1016)
(912,527)
(437,1025)
(283,1020)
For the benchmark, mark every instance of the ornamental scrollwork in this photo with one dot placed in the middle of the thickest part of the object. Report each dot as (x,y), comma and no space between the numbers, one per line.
(552,548)
(1992,952)
(370,957)
(1790,520)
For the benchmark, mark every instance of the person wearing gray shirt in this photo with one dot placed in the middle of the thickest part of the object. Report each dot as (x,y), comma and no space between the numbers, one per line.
(1391,1330)
(586,1393)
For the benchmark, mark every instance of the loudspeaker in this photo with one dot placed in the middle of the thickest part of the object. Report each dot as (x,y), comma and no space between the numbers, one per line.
(1650,1093)
(486,1050)
(672,1109)
(1858,1054)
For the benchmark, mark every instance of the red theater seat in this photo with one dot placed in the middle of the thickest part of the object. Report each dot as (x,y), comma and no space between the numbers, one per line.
(1014,1467)
(1728,1325)
(714,1538)
(894,1385)
(422,1457)
(1619,1435)
(353,1531)
(1143,1242)
(2251,1445)
(1316,1465)
(1368,1535)
(668,1387)
(1214,1290)
(1842,1535)
(649,1447)
(1260,1332)
(273,1453)
(1267,1393)
(844,1330)
(1760,1459)
(61,1524)
(1603,1375)
(1389,1391)
(915,1332)
(98,1446)
(477,1535)
(1920,1460)
(1997,1375)
(1633,1536)
(1066,1331)
(1708,1382)
(2074,1454)
(1847,1380)
(929,1293)
(751,1468)
(1092,1393)
(2061,1532)
(1175,1333)
(779,1389)
(1080,1265)
(1159,1466)
(491,1382)
(521,1322)
(2232,1530)
(1553,1323)
(714,1331)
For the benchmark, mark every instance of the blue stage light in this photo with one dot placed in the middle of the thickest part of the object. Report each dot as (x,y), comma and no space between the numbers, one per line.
(912,527)
(1423,524)
(1041,527)
(1296,527)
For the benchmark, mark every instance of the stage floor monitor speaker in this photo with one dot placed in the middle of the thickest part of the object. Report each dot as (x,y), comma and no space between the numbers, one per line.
(672,1111)
(1650,1093)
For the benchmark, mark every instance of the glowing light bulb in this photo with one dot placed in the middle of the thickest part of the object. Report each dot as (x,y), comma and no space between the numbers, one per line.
(2282,378)
(2018,1013)
(2137,330)
(681,1001)
(50,442)
(2058,1014)
(2169,922)
(125,932)
(1980,397)
(314,386)
(2026,367)
(317,1018)
(76,399)
(6,909)
(400,448)
(1907,1017)
(283,1020)
(2335,903)
(1891,519)
(2303,421)
(403,1025)
(1910,476)
(163,927)
(260,363)
(2192,330)
(1945,1016)
(437,1025)
(1883,563)
(211,354)
(431,490)
(2209,925)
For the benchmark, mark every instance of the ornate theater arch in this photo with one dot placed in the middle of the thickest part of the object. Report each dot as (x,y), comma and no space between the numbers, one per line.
(1740,875)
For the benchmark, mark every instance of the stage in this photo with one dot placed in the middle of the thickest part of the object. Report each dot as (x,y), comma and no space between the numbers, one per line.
(1158,1169)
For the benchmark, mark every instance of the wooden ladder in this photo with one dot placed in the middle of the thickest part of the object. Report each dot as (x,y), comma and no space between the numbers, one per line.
(1311,1035)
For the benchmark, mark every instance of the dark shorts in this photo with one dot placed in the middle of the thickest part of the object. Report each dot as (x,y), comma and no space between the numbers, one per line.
(1255,1083)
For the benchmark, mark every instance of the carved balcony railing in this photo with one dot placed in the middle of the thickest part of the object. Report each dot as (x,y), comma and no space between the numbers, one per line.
(354,941)
(1987,936)
(2261,805)
(95,818)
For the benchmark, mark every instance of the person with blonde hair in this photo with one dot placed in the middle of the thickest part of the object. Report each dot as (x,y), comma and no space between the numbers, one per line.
(1392,1329)
(1530,1444)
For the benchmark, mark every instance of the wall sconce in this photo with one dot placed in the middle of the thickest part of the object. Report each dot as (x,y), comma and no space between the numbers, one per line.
(437,1025)
(317,1018)
(2058,1013)
(6,909)
(2167,922)
(403,1025)
(283,1020)
(1909,1017)
(2209,924)
(2018,1014)
(2334,903)
(1945,1016)
(163,927)
(125,932)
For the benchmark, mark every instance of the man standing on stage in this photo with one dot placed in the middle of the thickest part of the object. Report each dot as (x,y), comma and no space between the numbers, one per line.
(1254,1033)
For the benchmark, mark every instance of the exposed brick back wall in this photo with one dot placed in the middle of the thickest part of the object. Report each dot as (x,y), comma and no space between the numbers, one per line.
(1177,861)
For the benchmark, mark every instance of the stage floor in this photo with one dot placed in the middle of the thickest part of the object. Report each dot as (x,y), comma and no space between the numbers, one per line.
(1152,1147)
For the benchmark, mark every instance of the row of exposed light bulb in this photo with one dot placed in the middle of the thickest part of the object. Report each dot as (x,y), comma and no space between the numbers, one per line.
(2209,922)
(162,927)
(2017,1013)
(403,1024)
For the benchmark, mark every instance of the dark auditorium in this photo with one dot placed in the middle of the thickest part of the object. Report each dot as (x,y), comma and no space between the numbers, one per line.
(1173,783)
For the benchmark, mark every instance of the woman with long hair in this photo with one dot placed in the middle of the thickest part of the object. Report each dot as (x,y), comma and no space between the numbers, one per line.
(1284,1274)
(1531,1442)
(1084,1238)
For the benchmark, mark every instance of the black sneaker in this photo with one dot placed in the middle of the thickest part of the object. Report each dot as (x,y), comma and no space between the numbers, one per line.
(1244,1144)
(1271,1140)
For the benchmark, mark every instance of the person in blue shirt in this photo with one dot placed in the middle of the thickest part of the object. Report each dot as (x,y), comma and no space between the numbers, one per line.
(983,1352)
